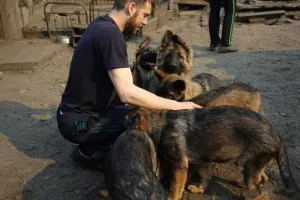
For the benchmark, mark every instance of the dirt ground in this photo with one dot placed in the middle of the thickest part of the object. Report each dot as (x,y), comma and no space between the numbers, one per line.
(35,161)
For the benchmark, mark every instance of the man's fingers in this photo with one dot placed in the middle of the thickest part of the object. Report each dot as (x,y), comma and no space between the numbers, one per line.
(196,105)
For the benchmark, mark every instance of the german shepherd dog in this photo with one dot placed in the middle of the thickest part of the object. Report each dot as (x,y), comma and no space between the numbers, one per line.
(207,90)
(174,55)
(146,58)
(130,169)
(143,75)
(188,137)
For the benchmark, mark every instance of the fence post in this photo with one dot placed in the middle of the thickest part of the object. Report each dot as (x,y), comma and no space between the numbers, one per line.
(10,20)
(171,2)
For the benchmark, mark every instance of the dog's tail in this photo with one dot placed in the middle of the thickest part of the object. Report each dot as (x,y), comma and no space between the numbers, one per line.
(285,173)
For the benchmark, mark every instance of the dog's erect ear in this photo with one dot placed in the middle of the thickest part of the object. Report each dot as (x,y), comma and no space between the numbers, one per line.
(177,86)
(167,38)
(177,39)
(145,43)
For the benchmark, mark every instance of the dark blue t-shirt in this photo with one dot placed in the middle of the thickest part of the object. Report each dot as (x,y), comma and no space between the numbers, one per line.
(101,47)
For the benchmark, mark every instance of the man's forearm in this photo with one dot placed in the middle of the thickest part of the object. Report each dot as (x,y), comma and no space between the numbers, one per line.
(142,98)
(131,94)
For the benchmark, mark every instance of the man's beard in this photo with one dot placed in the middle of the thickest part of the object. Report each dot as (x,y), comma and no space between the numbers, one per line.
(131,26)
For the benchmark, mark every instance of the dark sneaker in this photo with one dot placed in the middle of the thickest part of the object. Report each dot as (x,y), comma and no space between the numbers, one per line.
(89,159)
(227,49)
(213,47)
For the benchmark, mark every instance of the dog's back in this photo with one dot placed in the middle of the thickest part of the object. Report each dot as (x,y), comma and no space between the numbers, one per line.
(235,94)
(129,169)
(209,81)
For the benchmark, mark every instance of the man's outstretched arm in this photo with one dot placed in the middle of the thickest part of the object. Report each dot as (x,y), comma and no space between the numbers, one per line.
(131,94)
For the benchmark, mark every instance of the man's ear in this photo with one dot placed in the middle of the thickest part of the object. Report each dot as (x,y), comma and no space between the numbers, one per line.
(131,8)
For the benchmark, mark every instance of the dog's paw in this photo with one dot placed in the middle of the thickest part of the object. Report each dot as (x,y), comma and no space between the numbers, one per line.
(259,197)
(195,189)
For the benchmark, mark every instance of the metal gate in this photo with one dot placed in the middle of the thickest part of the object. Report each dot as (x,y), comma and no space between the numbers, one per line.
(99,7)
(61,17)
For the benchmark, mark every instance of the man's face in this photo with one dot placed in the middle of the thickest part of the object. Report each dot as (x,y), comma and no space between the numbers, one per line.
(139,18)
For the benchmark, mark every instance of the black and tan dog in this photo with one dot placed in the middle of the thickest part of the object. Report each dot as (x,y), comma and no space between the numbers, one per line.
(174,55)
(147,57)
(207,90)
(130,169)
(143,75)
(181,88)
(215,134)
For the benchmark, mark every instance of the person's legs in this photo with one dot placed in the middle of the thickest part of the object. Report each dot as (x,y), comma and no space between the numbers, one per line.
(94,136)
(214,23)
(227,29)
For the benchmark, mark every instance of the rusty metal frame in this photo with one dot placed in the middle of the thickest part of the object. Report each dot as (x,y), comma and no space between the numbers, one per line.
(92,10)
(47,14)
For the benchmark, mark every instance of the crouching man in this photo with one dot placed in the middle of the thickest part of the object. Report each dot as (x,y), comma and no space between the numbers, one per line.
(100,83)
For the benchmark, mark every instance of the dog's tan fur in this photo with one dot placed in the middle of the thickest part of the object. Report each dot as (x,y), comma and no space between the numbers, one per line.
(234,94)
(191,90)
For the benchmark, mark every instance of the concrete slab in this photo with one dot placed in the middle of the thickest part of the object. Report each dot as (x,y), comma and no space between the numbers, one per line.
(25,54)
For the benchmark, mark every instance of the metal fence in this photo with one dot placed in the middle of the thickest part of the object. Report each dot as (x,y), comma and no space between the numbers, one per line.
(99,7)
(96,7)
(60,17)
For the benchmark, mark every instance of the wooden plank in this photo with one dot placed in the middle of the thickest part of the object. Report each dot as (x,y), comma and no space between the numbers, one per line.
(1,28)
(269,6)
(192,2)
(159,10)
(11,21)
(260,14)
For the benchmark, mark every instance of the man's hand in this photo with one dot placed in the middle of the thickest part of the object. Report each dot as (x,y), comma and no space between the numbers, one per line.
(187,105)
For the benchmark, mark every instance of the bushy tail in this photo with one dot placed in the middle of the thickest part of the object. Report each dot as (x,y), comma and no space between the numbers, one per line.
(285,173)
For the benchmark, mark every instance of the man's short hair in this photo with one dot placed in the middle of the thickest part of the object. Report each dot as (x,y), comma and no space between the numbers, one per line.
(120,4)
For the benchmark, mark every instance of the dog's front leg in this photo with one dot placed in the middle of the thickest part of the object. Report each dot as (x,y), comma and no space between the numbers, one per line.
(178,180)
(204,172)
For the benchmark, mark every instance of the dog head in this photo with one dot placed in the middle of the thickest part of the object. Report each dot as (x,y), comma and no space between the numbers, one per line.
(138,119)
(172,87)
(174,55)
(146,55)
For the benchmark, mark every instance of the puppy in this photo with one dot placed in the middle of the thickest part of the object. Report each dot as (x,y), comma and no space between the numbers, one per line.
(130,168)
(189,137)
(143,75)
(235,94)
(207,90)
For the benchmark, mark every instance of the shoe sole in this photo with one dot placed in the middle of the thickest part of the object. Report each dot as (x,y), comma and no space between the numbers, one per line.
(85,162)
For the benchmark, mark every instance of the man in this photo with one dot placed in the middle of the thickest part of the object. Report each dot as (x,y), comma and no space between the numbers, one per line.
(88,113)
(224,43)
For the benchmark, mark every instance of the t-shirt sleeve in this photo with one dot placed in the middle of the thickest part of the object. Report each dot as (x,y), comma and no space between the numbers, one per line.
(113,49)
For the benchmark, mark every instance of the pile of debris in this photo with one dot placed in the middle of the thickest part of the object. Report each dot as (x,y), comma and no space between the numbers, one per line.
(248,11)
(268,12)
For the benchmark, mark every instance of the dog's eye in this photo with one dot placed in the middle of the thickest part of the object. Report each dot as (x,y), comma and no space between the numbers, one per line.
(137,119)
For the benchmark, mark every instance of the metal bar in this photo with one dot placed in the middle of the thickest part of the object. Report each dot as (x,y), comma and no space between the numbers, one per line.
(60,3)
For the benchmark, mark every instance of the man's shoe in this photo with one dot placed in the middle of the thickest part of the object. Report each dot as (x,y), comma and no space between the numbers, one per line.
(227,49)
(213,47)
(92,160)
